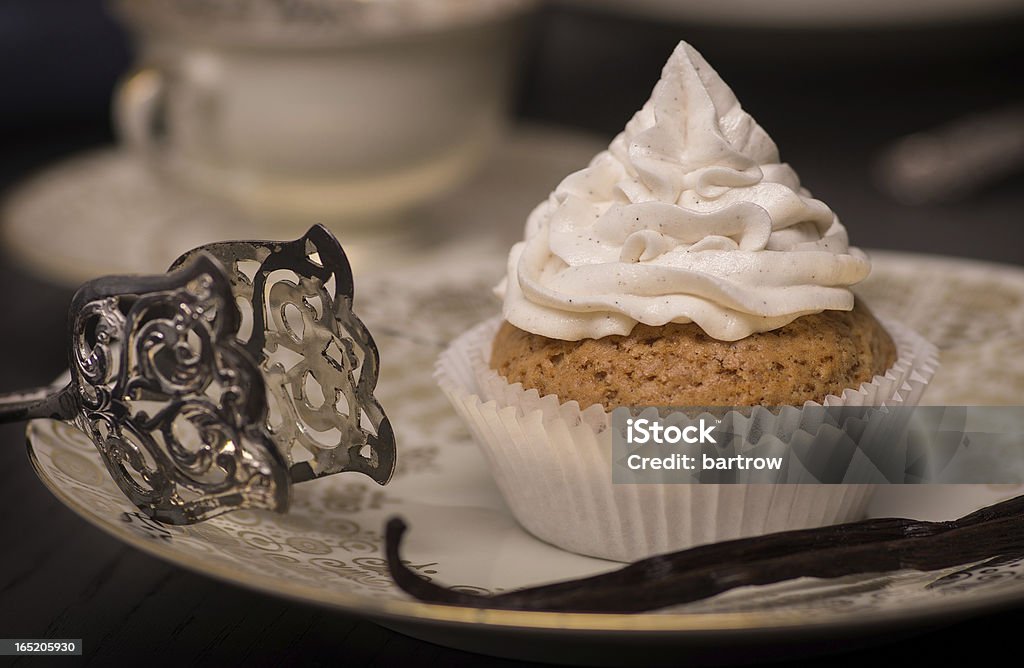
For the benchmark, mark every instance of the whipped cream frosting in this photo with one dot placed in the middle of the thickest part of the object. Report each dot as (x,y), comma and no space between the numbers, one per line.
(688,216)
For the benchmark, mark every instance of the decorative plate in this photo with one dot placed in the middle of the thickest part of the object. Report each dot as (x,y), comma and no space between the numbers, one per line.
(328,550)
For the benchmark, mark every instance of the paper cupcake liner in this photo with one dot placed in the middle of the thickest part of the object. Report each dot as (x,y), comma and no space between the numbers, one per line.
(552,460)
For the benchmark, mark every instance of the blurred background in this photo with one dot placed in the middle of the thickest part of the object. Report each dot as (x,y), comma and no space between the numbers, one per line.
(164,123)
(133,130)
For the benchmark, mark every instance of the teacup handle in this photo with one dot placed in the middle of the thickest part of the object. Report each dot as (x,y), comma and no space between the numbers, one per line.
(136,104)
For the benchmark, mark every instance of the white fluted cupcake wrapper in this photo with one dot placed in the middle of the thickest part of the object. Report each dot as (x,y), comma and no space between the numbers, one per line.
(552,460)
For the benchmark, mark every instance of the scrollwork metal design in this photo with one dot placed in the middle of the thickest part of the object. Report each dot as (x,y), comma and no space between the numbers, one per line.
(196,410)
(172,401)
(319,360)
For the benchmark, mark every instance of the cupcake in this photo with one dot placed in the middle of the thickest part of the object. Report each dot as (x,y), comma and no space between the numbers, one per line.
(685,266)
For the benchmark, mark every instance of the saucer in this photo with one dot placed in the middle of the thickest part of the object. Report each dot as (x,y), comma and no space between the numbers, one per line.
(106,212)
(328,549)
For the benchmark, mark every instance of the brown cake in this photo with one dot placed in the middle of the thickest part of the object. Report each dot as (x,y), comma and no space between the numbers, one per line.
(679,365)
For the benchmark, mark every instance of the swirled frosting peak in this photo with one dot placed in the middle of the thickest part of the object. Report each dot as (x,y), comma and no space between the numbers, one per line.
(688,216)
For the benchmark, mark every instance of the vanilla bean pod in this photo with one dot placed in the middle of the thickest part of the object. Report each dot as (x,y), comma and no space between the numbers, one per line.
(870,546)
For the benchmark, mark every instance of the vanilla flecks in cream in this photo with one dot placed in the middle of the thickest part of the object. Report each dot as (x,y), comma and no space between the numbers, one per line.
(689,216)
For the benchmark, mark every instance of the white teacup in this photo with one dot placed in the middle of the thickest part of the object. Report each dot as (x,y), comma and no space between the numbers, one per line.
(318,110)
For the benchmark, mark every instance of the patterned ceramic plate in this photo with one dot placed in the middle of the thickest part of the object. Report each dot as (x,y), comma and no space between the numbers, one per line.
(328,549)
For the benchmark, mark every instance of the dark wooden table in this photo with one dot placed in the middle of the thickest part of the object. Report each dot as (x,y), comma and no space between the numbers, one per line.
(60,577)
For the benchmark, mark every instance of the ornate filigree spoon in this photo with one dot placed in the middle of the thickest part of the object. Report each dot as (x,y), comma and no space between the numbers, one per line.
(218,385)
